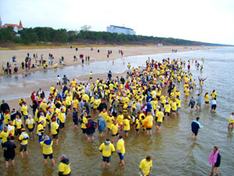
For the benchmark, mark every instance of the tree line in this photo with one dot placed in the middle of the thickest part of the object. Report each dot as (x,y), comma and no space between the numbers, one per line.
(43,35)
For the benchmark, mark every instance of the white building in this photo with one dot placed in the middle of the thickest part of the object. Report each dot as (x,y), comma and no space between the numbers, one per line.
(120,30)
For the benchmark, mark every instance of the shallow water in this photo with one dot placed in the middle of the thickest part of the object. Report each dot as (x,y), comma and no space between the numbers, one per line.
(173,152)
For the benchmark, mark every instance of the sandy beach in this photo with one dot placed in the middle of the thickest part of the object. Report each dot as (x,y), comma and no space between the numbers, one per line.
(69,53)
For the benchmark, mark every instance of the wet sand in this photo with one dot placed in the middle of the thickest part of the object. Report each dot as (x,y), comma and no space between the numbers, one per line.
(69,53)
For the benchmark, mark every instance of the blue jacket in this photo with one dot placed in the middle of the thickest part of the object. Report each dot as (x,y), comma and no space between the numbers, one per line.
(101,124)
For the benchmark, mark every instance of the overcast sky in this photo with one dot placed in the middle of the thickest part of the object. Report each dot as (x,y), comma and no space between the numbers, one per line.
(200,20)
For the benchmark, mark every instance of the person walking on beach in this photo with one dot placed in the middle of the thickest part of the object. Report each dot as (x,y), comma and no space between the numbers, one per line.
(145,166)
(64,166)
(109,75)
(215,161)
(195,125)
(107,149)
(65,79)
(59,80)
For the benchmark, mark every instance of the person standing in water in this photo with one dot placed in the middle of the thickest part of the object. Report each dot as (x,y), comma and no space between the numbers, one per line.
(145,166)
(195,125)
(215,161)
(231,122)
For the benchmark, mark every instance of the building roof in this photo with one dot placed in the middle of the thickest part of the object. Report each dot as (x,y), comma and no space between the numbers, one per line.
(20,25)
(121,27)
(12,25)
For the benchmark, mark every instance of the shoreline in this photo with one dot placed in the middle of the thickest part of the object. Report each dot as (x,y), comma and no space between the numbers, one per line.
(69,53)
(130,51)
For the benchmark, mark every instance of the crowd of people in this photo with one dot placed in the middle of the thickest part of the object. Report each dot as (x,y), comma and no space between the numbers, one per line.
(145,98)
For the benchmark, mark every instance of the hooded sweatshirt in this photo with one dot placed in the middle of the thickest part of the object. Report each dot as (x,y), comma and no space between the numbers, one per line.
(64,167)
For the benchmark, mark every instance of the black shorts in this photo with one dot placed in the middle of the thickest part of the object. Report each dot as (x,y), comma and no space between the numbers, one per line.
(50,155)
(55,136)
(17,132)
(213,107)
(84,131)
(30,130)
(115,134)
(23,147)
(75,122)
(148,129)
(167,113)
(158,123)
(207,102)
(61,125)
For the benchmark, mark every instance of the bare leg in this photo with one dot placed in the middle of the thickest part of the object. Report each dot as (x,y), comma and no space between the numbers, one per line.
(12,163)
(108,165)
(192,135)
(6,164)
(45,161)
(216,169)
(22,154)
(122,161)
(52,160)
(212,171)
(103,164)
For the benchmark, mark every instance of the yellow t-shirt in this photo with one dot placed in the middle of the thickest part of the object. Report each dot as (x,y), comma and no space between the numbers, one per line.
(24,138)
(40,129)
(110,121)
(4,135)
(64,168)
(75,103)
(126,125)
(145,166)
(207,98)
(6,119)
(114,128)
(120,146)
(107,149)
(24,109)
(83,125)
(30,123)
(53,127)
(47,148)
(160,116)
(137,124)
(149,119)
(120,119)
